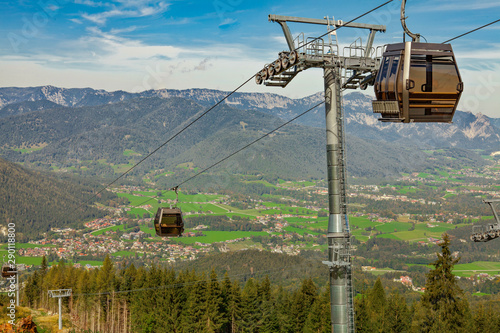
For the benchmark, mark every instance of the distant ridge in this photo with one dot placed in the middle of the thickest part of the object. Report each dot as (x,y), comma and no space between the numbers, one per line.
(468,131)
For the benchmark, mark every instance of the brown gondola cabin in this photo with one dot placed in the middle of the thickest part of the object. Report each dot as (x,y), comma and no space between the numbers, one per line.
(417,82)
(8,271)
(168,222)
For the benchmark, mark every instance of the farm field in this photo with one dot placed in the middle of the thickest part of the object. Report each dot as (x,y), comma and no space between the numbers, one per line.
(422,232)
(465,270)
(219,236)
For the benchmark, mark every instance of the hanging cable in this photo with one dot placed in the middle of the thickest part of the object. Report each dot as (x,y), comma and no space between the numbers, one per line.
(481,27)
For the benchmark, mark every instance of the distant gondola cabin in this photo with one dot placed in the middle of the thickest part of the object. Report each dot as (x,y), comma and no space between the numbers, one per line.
(168,222)
(417,82)
(8,271)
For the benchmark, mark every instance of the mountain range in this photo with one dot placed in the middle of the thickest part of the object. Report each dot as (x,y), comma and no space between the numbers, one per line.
(469,131)
(100,133)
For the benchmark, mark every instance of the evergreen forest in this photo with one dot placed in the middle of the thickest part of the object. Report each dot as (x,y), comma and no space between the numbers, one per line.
(163,299)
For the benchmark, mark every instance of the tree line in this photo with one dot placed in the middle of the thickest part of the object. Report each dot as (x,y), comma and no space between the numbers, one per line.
(161,299)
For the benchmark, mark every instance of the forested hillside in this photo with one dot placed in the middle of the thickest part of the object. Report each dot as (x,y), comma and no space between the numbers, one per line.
(37,202)
(156,299)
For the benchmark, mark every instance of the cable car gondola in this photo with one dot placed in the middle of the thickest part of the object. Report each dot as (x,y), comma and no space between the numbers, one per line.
(417,82)
(8,271)
(169,222)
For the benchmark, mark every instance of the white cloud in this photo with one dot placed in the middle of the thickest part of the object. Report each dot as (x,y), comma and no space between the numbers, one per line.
(119,31)
(127,10)
(91,3)
(227,22)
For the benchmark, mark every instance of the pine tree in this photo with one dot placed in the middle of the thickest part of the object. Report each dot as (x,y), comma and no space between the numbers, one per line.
(193,316)
(362,315)
(397,315)
(319,320)
(303,300)
(377,304)
(235,308)
(44,265)
(443,307)
(251,306)
(213,316)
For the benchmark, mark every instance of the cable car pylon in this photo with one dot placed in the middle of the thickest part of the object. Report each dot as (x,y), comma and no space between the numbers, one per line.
(340,72)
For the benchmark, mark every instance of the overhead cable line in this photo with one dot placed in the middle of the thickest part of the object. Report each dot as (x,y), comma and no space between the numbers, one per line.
(242,148)
(212,107)
(484,26)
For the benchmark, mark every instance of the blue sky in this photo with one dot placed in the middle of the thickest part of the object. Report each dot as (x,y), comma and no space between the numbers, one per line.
(136,45)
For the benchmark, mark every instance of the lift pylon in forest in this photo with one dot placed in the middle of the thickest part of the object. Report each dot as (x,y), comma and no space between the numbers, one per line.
(356,66)
(60,293)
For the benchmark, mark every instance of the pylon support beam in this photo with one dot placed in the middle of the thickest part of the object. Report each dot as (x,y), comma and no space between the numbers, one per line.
(349,70)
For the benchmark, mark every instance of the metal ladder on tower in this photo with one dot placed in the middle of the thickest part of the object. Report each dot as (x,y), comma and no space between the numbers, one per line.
(343,191)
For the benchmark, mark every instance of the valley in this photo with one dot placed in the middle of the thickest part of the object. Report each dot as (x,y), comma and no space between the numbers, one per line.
(289,217)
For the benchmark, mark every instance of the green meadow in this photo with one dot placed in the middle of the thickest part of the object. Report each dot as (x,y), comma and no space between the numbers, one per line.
(219,236)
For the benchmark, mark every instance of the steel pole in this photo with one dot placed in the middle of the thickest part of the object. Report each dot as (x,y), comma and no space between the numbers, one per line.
(17,287)
(60,313)
(336,232)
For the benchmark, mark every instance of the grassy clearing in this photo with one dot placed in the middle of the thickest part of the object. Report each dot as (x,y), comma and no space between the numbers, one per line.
(304,183)
(393,227)
(301,220)
(425,175)
(219,236)
(133,199)
(389,236)
(362,222)
(91,262)
(423,232)
(170,195)
(164,174)
(289,209)
(138,212)
(113,228)
(29,260)
(27,246)
(300,231)
(148,229)
(30,149)
(406,189)
(360,235)
(187,166)
(121,168)
(263,182)
(382,271)
(130,152)
(124,253)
